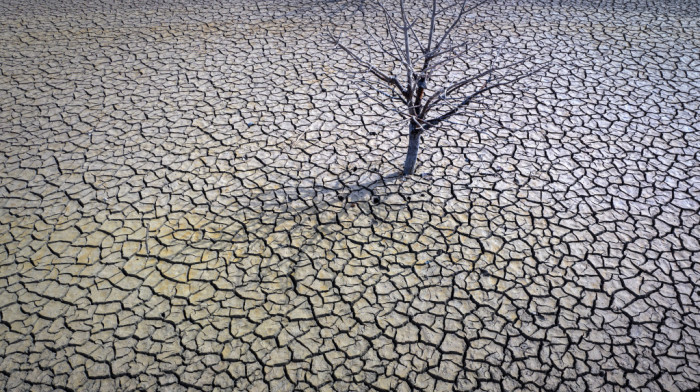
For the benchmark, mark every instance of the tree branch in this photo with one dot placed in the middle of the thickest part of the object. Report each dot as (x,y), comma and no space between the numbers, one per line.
(475,94)
(372,69)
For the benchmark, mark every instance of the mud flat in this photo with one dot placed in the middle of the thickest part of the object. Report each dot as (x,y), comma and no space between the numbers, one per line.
(192,199)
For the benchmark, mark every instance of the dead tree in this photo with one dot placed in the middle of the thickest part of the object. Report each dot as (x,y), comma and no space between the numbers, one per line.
(421,67)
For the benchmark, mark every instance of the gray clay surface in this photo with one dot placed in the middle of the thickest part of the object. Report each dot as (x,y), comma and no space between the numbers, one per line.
(192,198)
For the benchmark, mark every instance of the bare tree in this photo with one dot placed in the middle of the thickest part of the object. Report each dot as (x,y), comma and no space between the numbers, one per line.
(421,66)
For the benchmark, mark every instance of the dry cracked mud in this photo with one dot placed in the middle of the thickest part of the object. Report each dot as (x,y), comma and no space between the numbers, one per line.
(192,198)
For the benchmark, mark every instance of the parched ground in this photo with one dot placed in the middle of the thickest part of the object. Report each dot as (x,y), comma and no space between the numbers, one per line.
(191,198)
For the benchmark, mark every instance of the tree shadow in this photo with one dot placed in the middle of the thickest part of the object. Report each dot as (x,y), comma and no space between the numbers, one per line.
(353,191)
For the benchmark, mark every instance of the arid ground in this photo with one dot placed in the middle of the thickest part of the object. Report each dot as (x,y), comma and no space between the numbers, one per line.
(192,197)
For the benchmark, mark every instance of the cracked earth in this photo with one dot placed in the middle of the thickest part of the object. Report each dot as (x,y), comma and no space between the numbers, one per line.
(192,198)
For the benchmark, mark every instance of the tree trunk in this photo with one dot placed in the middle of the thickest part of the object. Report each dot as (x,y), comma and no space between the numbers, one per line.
(412,155)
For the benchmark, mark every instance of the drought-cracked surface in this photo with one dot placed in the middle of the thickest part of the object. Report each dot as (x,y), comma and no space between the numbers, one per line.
(191,198)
